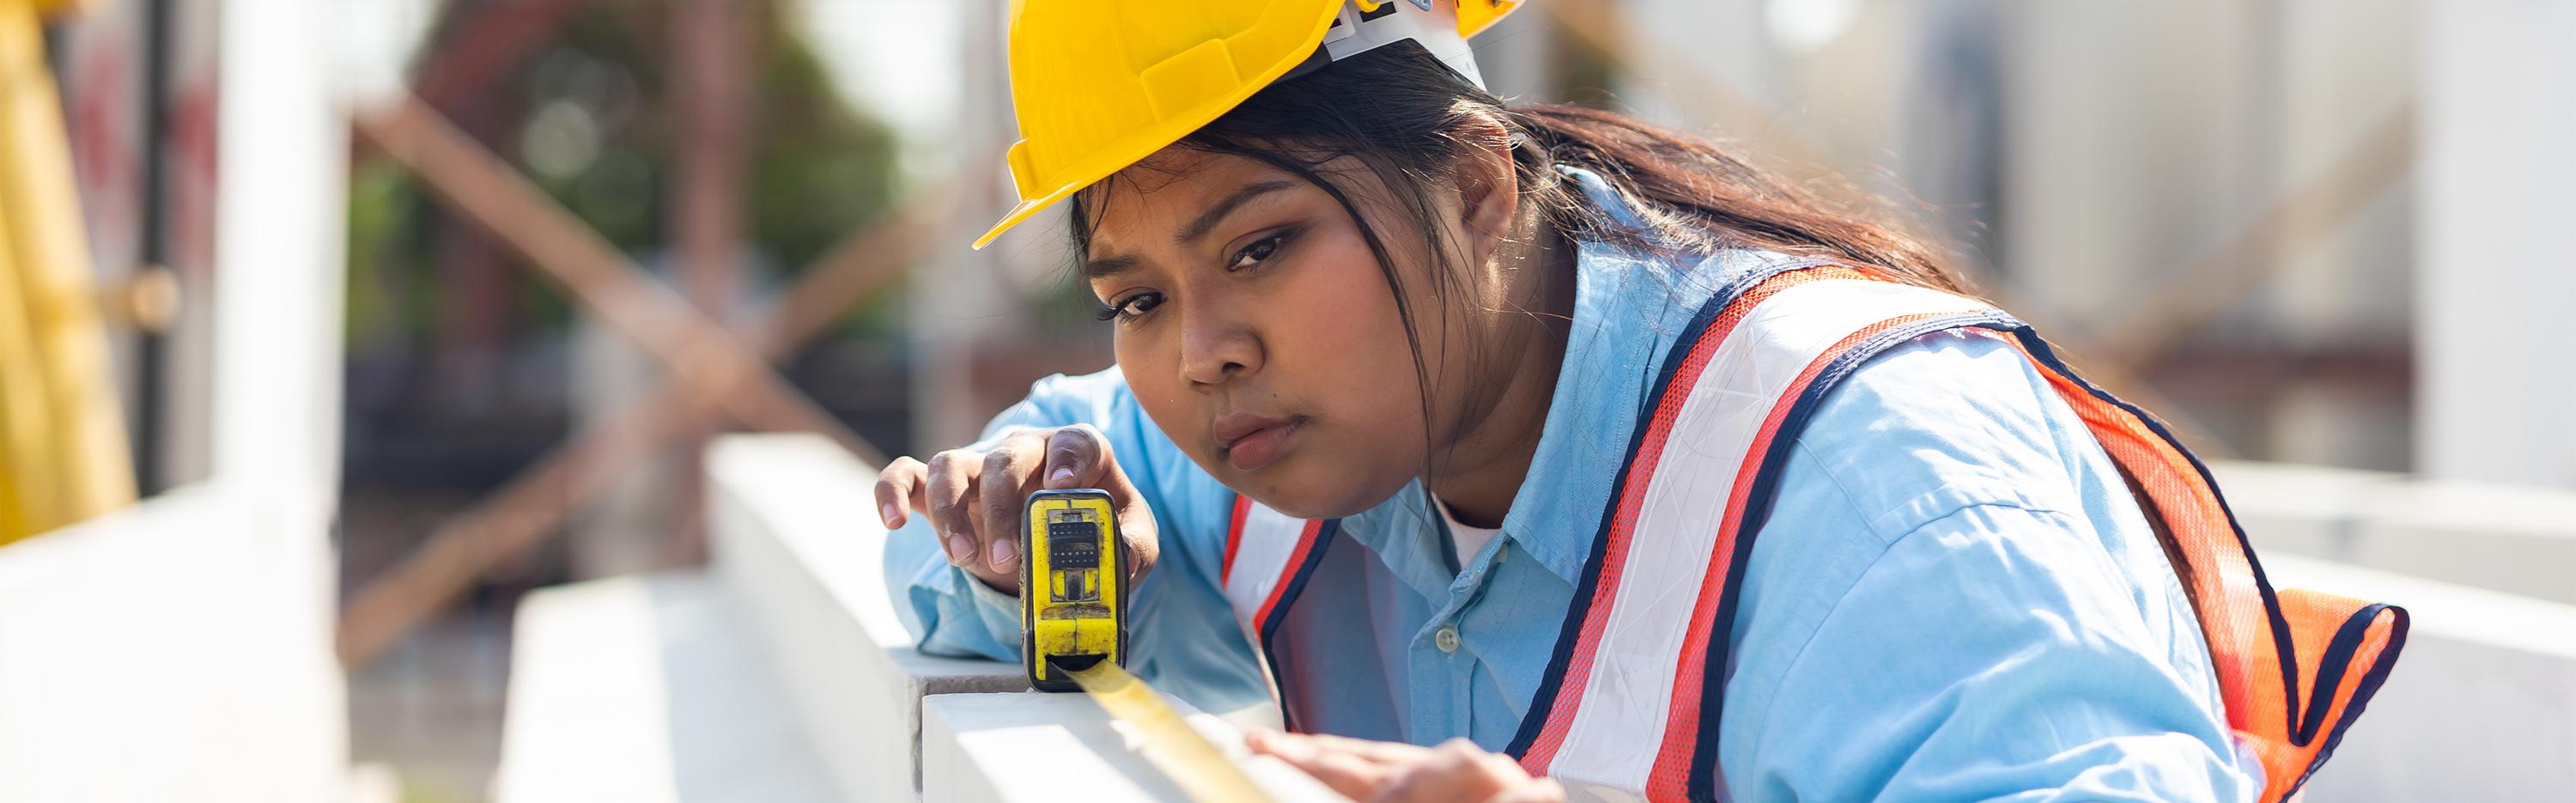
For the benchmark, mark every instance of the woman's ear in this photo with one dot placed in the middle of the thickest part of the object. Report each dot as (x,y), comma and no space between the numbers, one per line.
(1489,189)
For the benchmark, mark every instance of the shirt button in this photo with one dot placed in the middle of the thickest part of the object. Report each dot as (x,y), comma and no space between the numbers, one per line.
(1446,639)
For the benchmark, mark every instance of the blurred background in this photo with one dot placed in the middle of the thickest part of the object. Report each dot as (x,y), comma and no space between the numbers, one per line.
(441,303)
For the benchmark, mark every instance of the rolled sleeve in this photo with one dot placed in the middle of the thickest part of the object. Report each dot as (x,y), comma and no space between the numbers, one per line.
(960,616)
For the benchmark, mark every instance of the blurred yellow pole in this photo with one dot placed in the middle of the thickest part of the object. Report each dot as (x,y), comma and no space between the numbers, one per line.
(77,465)
(23,479)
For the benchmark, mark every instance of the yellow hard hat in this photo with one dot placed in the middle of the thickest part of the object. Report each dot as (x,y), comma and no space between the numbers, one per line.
(1100,84)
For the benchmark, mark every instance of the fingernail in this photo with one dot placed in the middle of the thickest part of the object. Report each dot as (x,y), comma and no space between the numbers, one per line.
(1004,552)
(960,548)
(893,516)
(1061,474)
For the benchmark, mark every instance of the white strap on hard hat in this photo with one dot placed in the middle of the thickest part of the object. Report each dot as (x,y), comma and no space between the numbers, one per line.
(1434,23)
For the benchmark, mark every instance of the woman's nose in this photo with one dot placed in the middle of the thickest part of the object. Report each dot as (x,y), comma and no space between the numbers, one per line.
(1215,349)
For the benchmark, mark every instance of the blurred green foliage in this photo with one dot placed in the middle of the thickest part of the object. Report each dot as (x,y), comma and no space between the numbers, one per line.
(589,118)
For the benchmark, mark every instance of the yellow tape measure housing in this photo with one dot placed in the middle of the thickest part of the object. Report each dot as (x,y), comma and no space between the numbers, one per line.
(1073,586)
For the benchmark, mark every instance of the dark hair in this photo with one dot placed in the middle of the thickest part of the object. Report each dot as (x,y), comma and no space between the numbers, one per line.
(1406,117)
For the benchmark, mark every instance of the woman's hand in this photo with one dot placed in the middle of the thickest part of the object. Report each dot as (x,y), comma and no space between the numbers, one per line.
(1388,771)
(975,499)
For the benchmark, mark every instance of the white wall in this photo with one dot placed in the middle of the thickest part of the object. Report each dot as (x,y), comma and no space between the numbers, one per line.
(181,649)
(2492,290)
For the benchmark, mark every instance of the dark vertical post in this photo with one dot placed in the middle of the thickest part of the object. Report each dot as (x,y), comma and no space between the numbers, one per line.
(152,356)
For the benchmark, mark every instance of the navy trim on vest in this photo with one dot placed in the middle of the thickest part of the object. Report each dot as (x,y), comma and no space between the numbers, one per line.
(2039,349)
(2339,650)
(1534,719)
(2339,653)
(1279,613)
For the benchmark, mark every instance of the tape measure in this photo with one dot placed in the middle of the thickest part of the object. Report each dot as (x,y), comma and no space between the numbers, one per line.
(1073,586)
(1073,623)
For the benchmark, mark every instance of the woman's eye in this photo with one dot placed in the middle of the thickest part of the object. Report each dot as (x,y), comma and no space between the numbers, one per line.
(1259,252)
(1127,309)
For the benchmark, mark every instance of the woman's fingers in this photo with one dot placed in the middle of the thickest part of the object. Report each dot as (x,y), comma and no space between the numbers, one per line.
(899,490)
(1392,771)
(1135,521)
(1134,518)
(951,479)
(1075,456)
(1008,473)
(975,499)
(1349,773)
(1079,456)
(1456,770)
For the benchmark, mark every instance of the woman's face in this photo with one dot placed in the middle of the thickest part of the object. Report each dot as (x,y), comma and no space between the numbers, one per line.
(1254,325)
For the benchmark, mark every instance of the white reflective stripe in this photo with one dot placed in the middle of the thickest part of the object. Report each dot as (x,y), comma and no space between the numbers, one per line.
(1620,725)
(1262,549)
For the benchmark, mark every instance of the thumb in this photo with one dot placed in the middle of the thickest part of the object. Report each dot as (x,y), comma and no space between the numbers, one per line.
(1075,456)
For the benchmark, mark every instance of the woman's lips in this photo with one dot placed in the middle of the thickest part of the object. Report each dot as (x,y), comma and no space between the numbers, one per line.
(1260,447)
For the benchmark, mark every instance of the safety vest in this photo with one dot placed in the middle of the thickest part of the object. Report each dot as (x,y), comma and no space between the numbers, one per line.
(1632,697)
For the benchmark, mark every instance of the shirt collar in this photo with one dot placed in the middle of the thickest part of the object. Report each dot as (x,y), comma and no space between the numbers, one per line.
(1575,448)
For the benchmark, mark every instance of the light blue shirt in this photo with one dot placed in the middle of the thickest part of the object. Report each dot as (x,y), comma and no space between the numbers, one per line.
(1955,596)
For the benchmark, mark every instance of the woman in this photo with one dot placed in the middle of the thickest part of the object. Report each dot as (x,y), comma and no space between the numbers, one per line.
(1583,450)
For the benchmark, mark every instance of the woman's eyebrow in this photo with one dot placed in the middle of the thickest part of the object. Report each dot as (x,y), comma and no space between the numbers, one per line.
(1215,214)
(1198,229)
(1096,269)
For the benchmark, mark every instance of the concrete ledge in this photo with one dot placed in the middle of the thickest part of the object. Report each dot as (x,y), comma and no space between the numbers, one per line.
(979,748)
(647,689)
(796,541)
(2519,540)
(2482,706)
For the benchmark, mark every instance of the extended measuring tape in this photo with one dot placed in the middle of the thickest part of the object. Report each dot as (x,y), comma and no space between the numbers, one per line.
(1073,598)
(1180,751)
